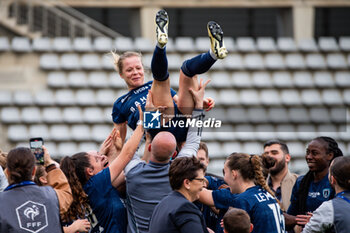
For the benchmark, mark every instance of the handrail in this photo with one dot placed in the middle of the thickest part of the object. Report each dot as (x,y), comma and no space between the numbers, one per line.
(54,14)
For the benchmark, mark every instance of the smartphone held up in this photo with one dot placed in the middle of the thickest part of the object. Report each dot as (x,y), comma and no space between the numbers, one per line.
(36,147)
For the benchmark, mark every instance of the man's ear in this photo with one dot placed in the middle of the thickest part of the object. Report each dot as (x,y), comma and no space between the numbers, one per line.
(251,227)
(43,180)
(149,147)
(187,183)
(333,181)
(288,157)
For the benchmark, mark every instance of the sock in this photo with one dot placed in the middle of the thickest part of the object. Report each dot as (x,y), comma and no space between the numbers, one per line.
(159,64)
(198,65)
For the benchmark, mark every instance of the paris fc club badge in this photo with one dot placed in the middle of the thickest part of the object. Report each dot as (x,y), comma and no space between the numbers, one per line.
(326,193)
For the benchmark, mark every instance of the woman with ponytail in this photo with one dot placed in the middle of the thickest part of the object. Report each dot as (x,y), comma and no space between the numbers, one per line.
(243,174)
(333,215)
(312,189)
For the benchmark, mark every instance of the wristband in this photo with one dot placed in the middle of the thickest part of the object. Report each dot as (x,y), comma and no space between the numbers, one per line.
(139,122)
(50,167)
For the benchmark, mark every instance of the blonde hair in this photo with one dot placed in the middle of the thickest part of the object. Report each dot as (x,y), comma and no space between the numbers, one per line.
(3,158)
(118,59)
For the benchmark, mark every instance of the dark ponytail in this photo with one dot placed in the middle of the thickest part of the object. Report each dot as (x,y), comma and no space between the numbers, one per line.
(20,163)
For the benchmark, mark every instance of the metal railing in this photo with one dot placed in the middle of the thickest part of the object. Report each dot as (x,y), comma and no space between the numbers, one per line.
(51,18)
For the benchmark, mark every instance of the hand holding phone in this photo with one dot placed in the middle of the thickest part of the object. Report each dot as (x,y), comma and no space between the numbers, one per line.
(36,147)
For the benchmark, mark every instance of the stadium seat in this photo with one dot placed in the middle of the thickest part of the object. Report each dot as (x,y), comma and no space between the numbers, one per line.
(49,61)
(215,149)
(52,148)
(100,132)
(308,45)
(82,44)
(5,98)
(266,44)
(88,146)
(52,115)
(264,132)
(143,44)
(115,81)
(233,62)
(330,130)
(17,133)
(77,79)
(257,115)
(323,79)
(107,113)
(123,44)
(245,132)
(184,44)
(224,133)
(298,115)
(328,44)
(231,147)
(57,79)
(228,97)
(305,132)
(319,115)
(44,98)
(336,61)
(286,132)
(346,96)
(261,79)
(311,97)
(252,147)
(93,115)
(295,61)
(10,115)
(174,78)
(286,44)
(230,44)
(245,44)
(72,115)
(64,97)
(344,43)
(241,80)
(21,45)
(85,97)
(42,44)
(102,44)
(270,97)
(80,133)
(31,115)
(211,93)
(174,61)
(342,78)
(170,46)
(4,44)
(98,80)
(290,97)
(62,44)
(249,97)
(254,62)
(202,44)
(216,166)
(67,148)
(70,61)
(220,79)
(237,115)
(297,149)
(107,62)
(90,62)
(105,97)
(274,61)
(39,131)
(315,61)
(332,97)
(278,115)
(303,79)
(22,98)
(282,79)
(338,114)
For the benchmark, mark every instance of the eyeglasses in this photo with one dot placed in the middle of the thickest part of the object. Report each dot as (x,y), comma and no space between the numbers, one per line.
(199,179)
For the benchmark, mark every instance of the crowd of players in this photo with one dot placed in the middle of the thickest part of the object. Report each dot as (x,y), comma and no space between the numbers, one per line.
(166,188)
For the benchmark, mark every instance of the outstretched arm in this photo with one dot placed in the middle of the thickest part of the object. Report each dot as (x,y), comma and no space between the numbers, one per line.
(206,197)
(129,149)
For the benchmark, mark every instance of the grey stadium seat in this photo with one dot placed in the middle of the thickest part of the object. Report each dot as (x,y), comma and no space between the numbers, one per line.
(328,44)
(234,62)
(82,44)
(5,98)
(81,132)
(39,131)
(261,79)
(290,97)
(323,79)
(308,45)
(67,148)
(23,98)
(319,115)
(17,133)
(336,61)
(98,80)
(62,44)
(311,97)
(228,97)
(90,61)
(105,97)
(241,79)
(64,97)
(77,79)
(295,61)
(102,44)
(274,61)
(72,115)
(60,133)
(282,79)
(254,61)
(143,44)
(270,97)
(278,115)
(42,44)
(249,97)
(100,132)
(31,115)
(49,61)
(85,97)
(342,78)
(70,61)
(124,44)
(303,79)
(332,97)
(245,44)
(220,79)
(184,44)
(10,115)
(4,44)
(344,43)
(93,115)
(21,44)
(44,98)
(286,44)
(315,61)
(266,44)
(52,115)
(57,79)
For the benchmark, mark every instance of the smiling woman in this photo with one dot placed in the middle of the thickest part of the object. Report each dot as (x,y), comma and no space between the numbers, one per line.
(312,189)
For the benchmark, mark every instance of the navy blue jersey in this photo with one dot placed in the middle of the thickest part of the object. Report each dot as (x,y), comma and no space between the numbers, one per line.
(125,107)
(319,192)
(262,207)
(106,204)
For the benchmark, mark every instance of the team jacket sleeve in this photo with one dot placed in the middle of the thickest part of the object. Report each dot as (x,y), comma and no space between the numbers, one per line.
(194,135)
(223,198)
(117,115)
(322,219)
